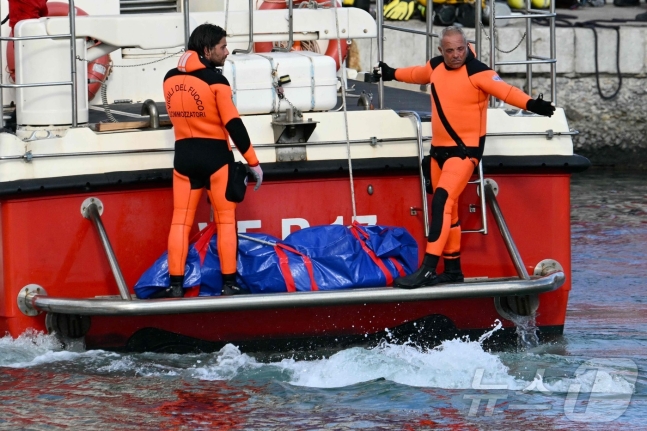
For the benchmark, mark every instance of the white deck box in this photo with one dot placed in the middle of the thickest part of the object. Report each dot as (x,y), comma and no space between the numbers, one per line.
(313,85)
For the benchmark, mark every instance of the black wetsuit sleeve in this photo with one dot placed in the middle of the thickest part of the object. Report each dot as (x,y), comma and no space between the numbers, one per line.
(238,134)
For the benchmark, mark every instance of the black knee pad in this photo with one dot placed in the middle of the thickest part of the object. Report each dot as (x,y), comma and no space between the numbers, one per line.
(437,212)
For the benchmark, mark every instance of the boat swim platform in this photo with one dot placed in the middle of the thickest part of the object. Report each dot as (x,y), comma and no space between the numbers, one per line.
(33,299)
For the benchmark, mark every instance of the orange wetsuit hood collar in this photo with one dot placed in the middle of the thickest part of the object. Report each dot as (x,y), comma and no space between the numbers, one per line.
(191,61)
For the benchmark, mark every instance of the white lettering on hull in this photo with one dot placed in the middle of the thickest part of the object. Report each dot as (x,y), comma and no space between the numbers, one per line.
(243,225)
(287,223)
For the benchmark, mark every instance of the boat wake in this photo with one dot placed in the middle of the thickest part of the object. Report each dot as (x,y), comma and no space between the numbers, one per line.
(454,364)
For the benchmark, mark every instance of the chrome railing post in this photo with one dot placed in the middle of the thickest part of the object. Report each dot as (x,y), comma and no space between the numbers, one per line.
(290,25)
(90,210)
(72,16)
(430,30)
(421,154)
(529,49)
(187,32)
(553,54)
(290,29)
(250,45)
(481,185)
(478,27)
(1,79)
(492,44)
(379,14)
(505,233)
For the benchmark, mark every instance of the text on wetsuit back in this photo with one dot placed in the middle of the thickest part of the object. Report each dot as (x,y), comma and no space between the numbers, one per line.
(198,112)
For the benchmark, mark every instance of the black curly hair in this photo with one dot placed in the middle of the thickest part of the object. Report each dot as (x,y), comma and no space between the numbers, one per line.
(205,36)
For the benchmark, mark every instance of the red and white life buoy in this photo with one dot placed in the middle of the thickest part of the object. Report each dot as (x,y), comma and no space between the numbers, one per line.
(97,69)
(331,50)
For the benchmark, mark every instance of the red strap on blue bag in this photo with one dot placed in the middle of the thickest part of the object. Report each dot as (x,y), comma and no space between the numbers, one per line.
(356,230)
(284,264)
(202,244)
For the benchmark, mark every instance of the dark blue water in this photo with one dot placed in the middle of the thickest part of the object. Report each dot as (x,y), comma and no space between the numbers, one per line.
(593,378)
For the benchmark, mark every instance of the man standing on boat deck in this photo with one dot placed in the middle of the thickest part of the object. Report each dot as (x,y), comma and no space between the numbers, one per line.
(460,89)
(199,104)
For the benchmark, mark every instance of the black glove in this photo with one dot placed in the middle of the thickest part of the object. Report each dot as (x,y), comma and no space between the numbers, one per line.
(388,73)
(540,106)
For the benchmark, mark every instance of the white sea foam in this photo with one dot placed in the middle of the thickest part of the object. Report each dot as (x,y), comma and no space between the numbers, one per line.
(226,364)
(30,348)
(600,375)
(34,348)
(455,364)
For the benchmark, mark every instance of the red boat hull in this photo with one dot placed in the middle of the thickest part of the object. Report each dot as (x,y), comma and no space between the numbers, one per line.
(46,241)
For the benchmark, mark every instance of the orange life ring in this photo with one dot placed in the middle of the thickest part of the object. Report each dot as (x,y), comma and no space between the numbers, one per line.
(331,51)
(97,69)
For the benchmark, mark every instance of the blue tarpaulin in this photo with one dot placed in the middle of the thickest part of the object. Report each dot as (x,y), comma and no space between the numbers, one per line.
(326,257)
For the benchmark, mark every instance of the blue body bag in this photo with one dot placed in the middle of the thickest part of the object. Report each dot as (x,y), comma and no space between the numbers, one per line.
(325,257)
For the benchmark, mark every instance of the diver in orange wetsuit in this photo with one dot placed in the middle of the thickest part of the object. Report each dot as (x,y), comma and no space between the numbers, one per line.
(199,104)
(460,89)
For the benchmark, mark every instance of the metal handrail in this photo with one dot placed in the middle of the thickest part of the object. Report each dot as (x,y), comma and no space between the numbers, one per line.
(379,19)
(421,154)
(72,82)
(528,14)
(530,58)
(91,211)
(321,298)
(516,62)
(419,32)
(481,186)
(54,36)
(250,45)
(290,28)
(187,25)
(505,233)
(37,84)
(411,30)
(28,157)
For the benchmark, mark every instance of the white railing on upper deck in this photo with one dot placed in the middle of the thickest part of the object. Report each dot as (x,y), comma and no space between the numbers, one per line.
(531,59)
(73,78)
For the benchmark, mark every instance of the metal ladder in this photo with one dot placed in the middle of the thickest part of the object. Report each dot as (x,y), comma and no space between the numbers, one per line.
(73,78)
(527,14)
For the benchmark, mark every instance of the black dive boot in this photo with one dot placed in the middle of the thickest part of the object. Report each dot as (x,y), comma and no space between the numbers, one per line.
(453,273)
(424,276)
(229,286)
(174,291)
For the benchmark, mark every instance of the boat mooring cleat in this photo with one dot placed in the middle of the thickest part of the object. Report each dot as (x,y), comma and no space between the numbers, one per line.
(424,276)
(229,286)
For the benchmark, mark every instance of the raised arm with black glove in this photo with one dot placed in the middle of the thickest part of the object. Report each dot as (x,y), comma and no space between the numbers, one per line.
(388,73)
(540,106)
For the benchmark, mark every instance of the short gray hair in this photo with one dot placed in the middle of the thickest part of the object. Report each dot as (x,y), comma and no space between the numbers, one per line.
(448,31)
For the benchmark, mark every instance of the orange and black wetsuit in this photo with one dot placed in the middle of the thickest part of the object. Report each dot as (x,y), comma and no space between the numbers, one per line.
(199,104)
(459,99)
